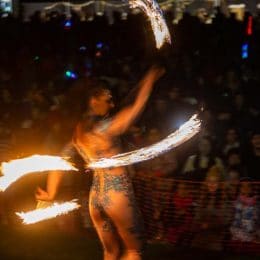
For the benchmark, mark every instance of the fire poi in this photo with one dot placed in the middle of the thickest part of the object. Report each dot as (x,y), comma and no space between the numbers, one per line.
(52,211)
(155,15)
(15,169)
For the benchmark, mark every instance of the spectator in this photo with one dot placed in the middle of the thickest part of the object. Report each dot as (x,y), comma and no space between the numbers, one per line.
(231,189)
(245,225)
(231,140)
(234,160)
(210,219)
(197,165)
(253,157)
(180,226)
(232,184)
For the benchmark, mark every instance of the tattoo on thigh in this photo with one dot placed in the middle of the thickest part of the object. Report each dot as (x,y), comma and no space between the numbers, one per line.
(96,183)
(94,202)
(107,226)
(118,183)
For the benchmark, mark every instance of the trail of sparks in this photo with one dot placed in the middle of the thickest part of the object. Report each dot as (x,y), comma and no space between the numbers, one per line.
(53,211)
(15,169)
(184,133)
(155,15)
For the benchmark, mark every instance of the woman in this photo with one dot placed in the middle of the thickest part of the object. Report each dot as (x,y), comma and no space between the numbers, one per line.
(112,204)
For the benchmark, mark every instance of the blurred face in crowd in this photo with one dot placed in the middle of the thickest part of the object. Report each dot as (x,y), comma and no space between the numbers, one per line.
(183,190)
(256,142)
(239,100)
(234,159)
(212,183)
(233,177)
(174,94)
(231,136)
(246,188)
(204,146)
(102,104)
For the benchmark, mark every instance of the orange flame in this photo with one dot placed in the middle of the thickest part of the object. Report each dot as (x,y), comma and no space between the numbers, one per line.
(53,211)
(15,169)
(155,15)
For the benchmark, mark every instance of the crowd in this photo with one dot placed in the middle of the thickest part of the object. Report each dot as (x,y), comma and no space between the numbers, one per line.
(205,192)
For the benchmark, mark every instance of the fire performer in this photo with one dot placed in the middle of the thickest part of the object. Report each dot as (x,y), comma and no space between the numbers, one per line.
(112,204)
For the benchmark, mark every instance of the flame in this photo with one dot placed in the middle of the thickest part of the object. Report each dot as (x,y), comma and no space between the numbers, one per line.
(184,133)
(15,169)
(55,210)
(154,13)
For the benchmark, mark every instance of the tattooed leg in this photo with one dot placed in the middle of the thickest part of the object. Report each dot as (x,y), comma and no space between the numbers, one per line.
(119,203)
(105,229)
(128,224)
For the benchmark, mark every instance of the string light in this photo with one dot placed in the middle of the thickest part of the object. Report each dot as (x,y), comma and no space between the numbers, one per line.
(105,3)
(68,4)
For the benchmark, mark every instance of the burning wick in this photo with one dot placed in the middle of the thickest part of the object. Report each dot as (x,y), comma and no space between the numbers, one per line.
(155,15)
(15,169)
(53,211)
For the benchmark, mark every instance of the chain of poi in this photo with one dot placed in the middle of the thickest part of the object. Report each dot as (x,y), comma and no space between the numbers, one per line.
(154,13)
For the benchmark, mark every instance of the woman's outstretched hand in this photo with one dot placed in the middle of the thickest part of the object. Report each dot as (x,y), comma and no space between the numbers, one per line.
(154,73)
(41,194)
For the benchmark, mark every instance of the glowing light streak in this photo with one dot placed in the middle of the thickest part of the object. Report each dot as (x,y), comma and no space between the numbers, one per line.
(184,133)
(15,169)
(53,211)
(78,6)
(106,3)
(68,4)
(154,13)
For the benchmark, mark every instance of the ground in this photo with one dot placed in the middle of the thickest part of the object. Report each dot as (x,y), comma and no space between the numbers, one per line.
(47,242)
